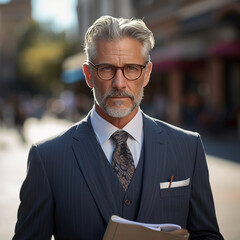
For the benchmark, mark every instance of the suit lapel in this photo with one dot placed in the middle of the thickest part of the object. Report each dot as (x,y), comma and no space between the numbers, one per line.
(155,156)
(94,168)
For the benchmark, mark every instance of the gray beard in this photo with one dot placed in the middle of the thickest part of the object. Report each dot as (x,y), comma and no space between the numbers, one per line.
(113,111)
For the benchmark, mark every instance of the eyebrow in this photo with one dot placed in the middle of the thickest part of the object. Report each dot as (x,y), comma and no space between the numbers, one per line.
(119,66)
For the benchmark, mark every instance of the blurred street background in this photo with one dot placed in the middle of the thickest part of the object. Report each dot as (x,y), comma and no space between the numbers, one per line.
(195,83)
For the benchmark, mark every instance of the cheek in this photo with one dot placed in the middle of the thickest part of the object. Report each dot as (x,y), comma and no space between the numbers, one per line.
(137,88)
(102,88)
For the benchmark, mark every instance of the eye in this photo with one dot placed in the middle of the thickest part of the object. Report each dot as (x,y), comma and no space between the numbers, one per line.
(131,68)
(106,68)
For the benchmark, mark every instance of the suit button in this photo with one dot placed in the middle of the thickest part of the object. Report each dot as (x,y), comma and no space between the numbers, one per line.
(127,202)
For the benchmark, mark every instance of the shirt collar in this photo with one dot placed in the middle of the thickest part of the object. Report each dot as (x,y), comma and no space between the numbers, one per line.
(104,130)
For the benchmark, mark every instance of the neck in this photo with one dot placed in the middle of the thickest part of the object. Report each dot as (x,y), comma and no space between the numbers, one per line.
(117,122)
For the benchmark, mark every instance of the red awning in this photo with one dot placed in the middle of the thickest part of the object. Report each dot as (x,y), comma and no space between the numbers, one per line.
(166,65)
(226,49)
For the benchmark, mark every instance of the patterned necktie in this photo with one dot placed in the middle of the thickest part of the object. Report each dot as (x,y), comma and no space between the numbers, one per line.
(122,160)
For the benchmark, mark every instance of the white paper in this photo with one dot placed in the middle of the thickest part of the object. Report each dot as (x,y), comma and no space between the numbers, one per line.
(167,227)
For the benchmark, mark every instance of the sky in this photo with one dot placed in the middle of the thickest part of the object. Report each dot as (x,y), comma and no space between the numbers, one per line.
(61,13)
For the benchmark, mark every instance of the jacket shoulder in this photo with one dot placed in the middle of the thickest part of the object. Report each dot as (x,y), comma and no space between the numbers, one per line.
(63,138)
(170,129)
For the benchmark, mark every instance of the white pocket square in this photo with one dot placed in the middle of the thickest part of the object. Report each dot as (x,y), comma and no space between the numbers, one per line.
(175,184)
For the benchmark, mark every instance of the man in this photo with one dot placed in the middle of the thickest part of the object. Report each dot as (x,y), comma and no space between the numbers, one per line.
(117,160)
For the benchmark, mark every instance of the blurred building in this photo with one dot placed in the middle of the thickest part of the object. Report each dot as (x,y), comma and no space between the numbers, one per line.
(88,11)
(196,59)
(11,16)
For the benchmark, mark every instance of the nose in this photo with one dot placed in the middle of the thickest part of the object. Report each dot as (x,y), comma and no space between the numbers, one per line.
(119,81)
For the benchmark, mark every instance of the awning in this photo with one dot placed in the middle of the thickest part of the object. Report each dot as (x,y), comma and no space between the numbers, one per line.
(72,76)
(226,49)
(72,68)
(168,65)
(75,61)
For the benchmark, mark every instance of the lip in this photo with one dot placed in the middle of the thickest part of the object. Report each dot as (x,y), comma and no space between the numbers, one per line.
(120,97)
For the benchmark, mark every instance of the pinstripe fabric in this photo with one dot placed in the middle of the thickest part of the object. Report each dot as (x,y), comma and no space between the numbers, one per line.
(71,190)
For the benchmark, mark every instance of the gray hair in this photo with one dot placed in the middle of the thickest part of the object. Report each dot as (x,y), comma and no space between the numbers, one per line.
(110,28)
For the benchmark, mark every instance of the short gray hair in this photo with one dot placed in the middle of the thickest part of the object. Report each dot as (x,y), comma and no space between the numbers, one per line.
(110,28)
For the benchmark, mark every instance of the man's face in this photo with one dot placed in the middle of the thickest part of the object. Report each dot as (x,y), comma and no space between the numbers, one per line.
(118,97)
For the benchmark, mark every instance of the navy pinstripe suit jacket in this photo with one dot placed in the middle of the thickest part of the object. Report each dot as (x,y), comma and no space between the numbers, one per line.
(68,190)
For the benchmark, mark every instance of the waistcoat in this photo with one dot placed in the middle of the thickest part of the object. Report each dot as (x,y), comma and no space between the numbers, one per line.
(127,203)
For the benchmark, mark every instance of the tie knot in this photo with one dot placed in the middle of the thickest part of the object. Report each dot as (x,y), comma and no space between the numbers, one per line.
(120,137)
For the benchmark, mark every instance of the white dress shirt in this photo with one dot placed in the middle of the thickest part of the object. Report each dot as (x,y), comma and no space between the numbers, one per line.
(104,130)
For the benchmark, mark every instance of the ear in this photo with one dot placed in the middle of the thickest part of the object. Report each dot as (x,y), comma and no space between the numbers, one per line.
(87,74)
(147,74)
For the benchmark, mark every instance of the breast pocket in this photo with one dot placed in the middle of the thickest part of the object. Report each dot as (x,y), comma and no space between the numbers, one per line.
(174,192)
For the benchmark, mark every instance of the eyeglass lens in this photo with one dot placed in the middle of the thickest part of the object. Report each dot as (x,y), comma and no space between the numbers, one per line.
(130,71)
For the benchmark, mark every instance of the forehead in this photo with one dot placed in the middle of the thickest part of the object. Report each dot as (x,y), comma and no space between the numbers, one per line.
(119,52)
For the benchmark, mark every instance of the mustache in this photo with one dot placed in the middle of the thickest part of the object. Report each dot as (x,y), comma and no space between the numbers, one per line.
(117,93)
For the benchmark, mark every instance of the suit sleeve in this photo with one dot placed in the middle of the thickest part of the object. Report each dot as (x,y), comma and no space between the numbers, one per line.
(202,223)
(35,213)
